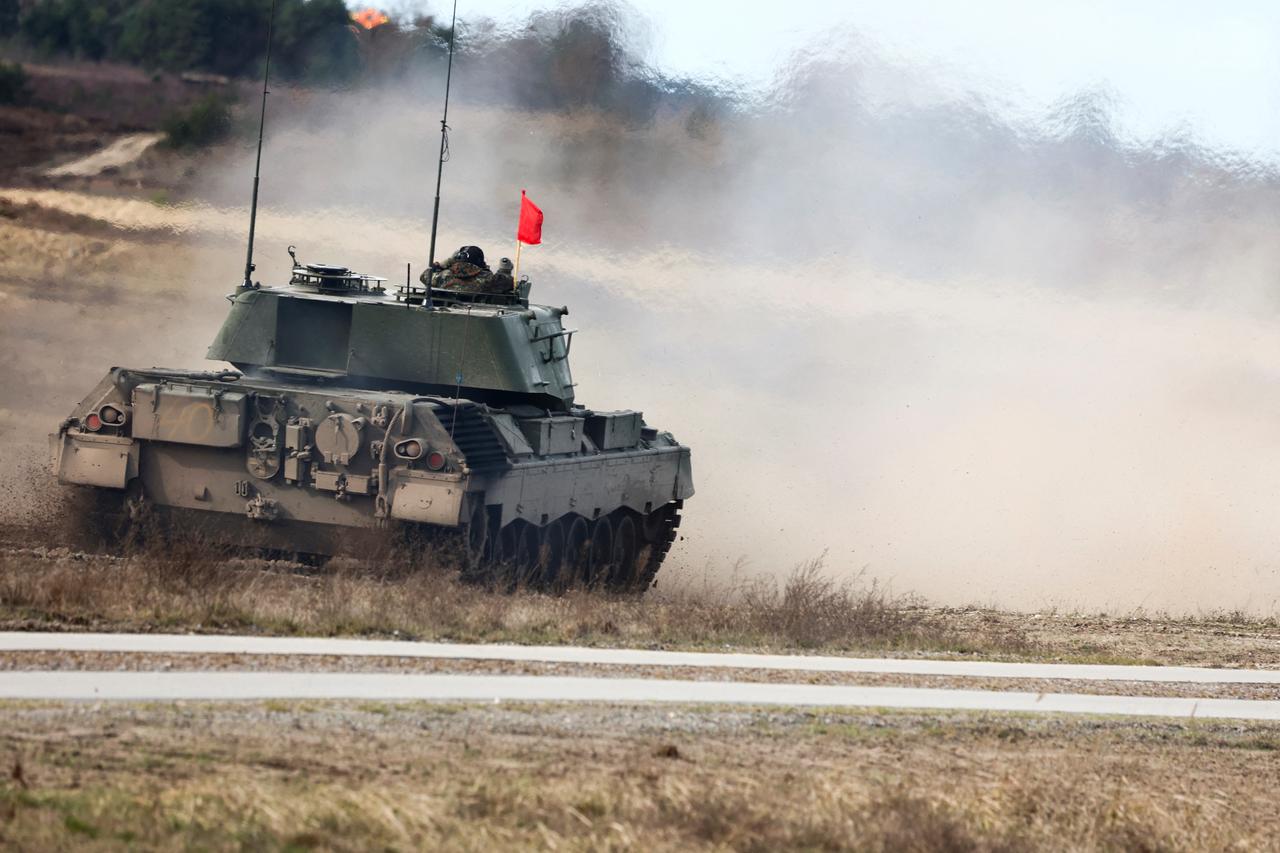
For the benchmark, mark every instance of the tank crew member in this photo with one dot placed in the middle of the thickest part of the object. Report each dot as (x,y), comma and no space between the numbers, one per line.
(466,271)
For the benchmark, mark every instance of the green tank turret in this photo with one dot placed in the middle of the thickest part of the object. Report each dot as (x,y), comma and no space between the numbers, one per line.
(332,322)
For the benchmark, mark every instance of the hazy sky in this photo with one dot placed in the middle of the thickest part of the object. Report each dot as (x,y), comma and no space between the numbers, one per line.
(1172,64)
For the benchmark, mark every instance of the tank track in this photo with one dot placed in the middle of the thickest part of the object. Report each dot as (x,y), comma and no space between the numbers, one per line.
(572,552)
(661,544)
(621,552)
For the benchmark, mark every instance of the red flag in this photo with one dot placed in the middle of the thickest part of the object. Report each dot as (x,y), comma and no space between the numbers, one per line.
(530,230)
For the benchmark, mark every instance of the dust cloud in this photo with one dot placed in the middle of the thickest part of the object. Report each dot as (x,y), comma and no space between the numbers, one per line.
(985,356)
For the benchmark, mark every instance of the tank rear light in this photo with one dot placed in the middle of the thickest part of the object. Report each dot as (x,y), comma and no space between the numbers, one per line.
(435,460)
(409,449)
(110,415)
(93,423)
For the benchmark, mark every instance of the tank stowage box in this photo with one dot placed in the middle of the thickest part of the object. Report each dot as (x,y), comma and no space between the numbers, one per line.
(356,416)
(614,430)
(551,436)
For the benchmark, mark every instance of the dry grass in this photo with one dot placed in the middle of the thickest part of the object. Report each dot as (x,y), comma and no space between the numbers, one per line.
(405,777)
(190,586)
(186,589)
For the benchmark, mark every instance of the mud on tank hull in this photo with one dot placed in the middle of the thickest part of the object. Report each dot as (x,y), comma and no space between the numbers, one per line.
(534,498)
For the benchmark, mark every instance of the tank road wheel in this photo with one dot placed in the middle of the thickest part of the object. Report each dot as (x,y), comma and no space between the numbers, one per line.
(551,555)
(601,552)
(659,529)
(623,561)
(475,541)
(577,554)
(527,570)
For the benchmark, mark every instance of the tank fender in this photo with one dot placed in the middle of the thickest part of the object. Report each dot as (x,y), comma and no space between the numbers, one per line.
(684,476)
(108,461)
(429,498)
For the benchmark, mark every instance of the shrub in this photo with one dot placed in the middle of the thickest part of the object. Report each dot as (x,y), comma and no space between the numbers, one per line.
(9,11)
(203,123)
(13,83)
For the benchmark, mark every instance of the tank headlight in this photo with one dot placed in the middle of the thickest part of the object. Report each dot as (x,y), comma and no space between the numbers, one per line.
(110,415)
(409,449)
(92,422)
(435,460)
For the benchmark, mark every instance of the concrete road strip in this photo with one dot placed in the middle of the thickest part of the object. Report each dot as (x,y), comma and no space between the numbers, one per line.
(221,644)
(168,686)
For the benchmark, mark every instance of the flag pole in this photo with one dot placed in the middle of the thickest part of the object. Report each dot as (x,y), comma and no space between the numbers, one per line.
(516,277)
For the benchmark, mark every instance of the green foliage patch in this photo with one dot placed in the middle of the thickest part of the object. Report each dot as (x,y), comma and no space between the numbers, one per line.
(13,83)
(312,37)
(206,121)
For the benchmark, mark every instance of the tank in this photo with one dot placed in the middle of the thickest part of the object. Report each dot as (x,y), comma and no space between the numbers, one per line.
(358,416)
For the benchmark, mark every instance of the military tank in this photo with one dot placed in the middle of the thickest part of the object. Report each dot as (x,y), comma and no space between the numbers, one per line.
(357,415)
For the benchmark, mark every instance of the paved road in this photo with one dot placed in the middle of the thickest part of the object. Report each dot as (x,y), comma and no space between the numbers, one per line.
(222,644)
(168,686)
(231,685)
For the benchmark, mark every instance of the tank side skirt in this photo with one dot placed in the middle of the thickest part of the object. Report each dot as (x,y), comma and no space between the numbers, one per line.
(582,484)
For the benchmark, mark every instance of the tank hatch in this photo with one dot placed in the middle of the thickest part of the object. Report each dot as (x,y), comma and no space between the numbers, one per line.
(331,278)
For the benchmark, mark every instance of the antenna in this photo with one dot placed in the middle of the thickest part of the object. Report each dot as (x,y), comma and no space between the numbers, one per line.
(257,168)
(444,145)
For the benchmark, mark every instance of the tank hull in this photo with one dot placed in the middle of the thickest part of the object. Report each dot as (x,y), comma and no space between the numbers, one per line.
(533,497)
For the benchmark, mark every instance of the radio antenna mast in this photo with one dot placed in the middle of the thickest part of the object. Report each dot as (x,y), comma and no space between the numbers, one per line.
(444,141)
(257,168)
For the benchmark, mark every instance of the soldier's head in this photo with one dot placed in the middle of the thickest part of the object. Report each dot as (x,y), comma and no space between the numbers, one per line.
(470,254)
(505,267)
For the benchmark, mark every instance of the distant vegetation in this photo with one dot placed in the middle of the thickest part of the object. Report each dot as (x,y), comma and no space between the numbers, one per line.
(581,57)
(313,39)
(13,83)
(204,122)
(9,10)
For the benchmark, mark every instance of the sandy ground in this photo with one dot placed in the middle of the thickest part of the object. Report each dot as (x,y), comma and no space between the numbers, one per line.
(120,153)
